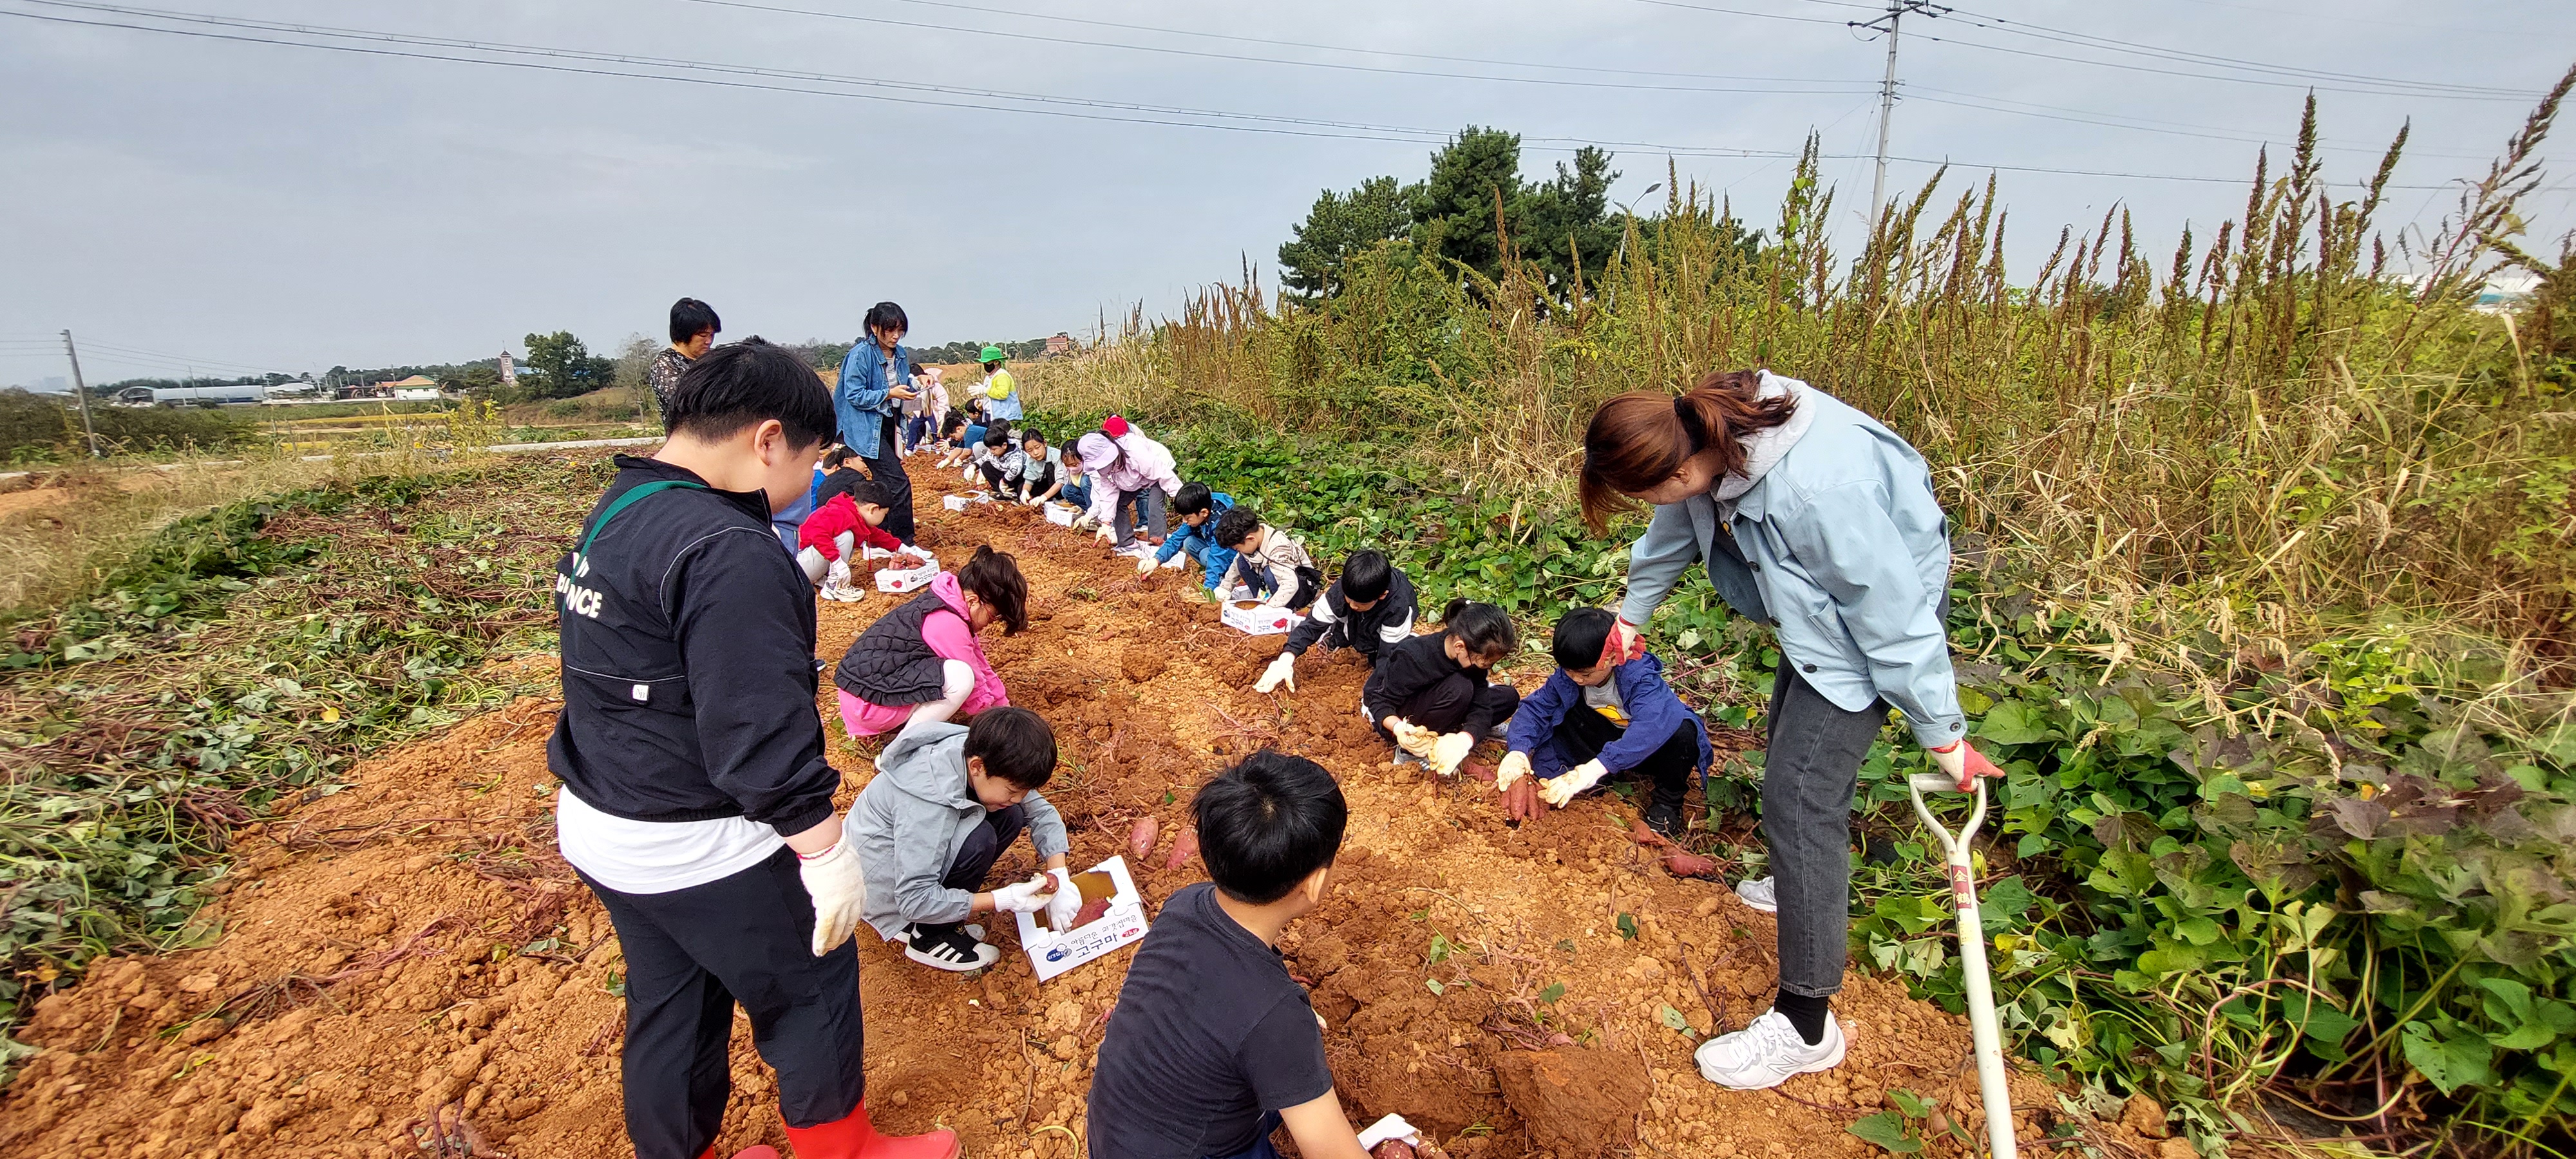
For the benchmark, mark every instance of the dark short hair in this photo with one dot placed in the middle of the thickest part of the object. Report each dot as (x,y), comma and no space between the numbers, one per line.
(1235,526)
(1485,629)
(1580,636)
(838,456)
(1028,434)
(887,316)
(997,437)
(869,492)
(1366,576)
(1194,498)
(1016,745)
(691,317)
(741,384)
(994,577)
(1267,824)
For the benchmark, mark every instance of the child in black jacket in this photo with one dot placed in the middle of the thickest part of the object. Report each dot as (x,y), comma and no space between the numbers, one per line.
(698,811)
(1431,696)
(1368,610)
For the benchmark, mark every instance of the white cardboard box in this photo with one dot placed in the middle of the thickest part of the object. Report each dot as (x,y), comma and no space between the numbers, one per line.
(954,502)
(1060,514)
(1256,620)
(906,579)
(872,551)
(1051,954)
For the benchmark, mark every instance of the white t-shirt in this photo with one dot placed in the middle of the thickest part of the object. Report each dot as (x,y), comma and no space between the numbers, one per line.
(657,856)
(1603,698)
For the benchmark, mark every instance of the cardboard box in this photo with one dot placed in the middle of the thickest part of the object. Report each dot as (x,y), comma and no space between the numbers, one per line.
(906,579)
(1051,954)
(1253,619)
(954,502)
(1061,515)
(872,551)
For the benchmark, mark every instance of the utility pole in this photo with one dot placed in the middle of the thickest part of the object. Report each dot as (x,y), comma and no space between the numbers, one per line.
(1896,10)
(80,390)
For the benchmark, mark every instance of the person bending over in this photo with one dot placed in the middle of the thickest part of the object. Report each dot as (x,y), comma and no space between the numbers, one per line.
(1599,716)
(1431,696)
(947,799)
(1274,567)
(922,660)
(1369,609)
(1199,509)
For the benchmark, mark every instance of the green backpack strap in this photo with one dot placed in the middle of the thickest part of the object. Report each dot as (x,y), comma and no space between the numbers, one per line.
(628,500)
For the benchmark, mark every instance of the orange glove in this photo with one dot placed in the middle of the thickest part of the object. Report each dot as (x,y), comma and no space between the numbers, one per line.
(1964,764)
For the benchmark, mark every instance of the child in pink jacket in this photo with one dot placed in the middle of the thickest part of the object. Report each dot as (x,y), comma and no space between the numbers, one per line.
(921,661)
(1132,474)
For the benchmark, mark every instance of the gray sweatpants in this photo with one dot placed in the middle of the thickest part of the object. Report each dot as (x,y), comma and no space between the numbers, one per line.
(1808,776)
(1125,525)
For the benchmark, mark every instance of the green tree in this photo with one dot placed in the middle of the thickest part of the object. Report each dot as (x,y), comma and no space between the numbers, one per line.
(563,367)
(1569,218)
(1341,226)
(1474,178)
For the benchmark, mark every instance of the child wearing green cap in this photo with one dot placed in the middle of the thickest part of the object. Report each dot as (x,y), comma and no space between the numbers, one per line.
(997,386)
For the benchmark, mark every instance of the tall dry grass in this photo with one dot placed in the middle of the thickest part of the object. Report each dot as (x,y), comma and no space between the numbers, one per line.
(2293,420)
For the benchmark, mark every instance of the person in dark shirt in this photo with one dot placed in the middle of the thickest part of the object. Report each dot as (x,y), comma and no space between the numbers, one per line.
(1369,610)
(1431,695)
(1212,1045)
(693,329)
(696,801)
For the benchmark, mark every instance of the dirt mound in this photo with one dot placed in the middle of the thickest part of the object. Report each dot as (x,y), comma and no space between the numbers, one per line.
(413,942)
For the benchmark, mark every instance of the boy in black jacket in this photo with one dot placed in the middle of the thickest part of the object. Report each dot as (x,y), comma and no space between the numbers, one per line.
(696,801)
(1368,610)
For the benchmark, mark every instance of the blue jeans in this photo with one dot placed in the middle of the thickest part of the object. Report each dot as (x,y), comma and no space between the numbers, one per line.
(1078,494)
(916,430)
(1261,1148)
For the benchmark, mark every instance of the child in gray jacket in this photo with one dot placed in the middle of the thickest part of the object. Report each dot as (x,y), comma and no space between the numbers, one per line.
(947,799)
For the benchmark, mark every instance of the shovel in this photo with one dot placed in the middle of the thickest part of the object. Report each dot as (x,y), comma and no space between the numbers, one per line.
(1986,1032)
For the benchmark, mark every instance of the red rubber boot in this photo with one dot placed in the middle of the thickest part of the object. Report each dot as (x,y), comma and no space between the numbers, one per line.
(854,1137)
(761,1152)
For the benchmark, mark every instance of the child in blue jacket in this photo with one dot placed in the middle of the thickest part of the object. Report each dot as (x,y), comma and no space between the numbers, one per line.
(1596,717)
(1199,509)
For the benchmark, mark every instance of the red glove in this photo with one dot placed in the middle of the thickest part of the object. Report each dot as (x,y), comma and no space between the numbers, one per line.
(1624,643)
(1964,764)
(824,527)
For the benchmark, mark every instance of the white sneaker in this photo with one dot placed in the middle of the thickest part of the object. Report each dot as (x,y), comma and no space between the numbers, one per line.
(1759,895)
(1767,1053)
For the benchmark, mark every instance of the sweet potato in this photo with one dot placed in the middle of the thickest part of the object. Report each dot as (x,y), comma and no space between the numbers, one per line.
(1140,840)
(1690,865)
(1393,1149)
(1184,847)
(1521,802)
(1090,912)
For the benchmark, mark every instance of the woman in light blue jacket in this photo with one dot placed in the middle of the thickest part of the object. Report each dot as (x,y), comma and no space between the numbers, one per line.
(1812,518)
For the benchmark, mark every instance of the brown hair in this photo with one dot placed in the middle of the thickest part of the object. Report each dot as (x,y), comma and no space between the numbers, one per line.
(1640,439)
(994,577)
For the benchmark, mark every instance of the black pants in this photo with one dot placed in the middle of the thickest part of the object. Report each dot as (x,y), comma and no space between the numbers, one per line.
(1459,704)
(1005,483)
(1586,732)
(691,954)
(984,846)
(895,486)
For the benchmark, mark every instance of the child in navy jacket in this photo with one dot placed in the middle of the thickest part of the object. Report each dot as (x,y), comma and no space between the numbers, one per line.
(1594,718)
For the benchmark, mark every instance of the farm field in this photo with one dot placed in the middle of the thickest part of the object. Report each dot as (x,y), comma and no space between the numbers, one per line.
(413,942)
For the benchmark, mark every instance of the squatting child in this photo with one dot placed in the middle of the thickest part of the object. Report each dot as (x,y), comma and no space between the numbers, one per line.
(1271,564)
(1199,509)
(1212,1046)
(851,518)
(946,801)
(922,661)
(1369,609)
(1432,697)
(1598,717)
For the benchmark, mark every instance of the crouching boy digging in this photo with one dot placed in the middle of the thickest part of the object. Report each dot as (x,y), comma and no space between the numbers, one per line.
(1212,1046)
(947,799)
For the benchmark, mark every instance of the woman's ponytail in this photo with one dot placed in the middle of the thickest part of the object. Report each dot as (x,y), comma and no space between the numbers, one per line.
(994,577)
(1640,439)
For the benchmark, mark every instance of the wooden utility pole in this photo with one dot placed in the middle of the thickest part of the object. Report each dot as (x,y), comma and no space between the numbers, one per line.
(80,390)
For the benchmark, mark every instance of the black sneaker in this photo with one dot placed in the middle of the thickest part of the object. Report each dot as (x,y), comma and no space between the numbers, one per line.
(948,947)
(1664,819)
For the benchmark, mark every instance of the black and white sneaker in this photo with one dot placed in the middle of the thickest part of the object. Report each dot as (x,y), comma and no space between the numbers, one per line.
(948,947)
(1664,819)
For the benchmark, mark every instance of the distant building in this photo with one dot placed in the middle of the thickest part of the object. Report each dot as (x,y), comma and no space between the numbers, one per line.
(1059,346)
(509,370)
(2506,291)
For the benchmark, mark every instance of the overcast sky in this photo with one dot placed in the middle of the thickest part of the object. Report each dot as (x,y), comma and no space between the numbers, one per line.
(207,201)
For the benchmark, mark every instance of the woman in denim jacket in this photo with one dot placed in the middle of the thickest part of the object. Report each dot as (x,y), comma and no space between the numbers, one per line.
(1812,518)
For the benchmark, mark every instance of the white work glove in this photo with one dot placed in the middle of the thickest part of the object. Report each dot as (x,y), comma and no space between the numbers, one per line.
(1145,564)
(1066,903)
(1103,533)
(1412,738)
(1515,766)
(1390,1127)
(839,891)
(1447,751)
(1025,897)
(1281,671)
(1963,764)
(1571,782)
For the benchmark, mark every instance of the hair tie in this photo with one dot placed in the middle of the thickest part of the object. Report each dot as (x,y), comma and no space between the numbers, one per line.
(1689,418)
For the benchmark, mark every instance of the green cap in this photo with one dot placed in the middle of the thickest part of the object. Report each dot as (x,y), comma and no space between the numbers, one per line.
(990,354)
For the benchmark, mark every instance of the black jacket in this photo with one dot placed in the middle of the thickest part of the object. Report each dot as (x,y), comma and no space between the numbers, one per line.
(890,665)
(1372,633)
(1408,668)
(688,662)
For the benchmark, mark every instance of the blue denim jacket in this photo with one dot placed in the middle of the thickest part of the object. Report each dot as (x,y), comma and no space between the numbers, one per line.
(860,402)
(1845,552)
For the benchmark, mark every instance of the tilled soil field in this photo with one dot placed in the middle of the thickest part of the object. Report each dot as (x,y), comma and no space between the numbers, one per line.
(409,958)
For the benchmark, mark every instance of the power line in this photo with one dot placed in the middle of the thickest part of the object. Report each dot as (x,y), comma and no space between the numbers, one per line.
(1391,134)
(1747,12)
(2279,84)
(2186,56)
(1967,100)
(2341,17)
(1240,57)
